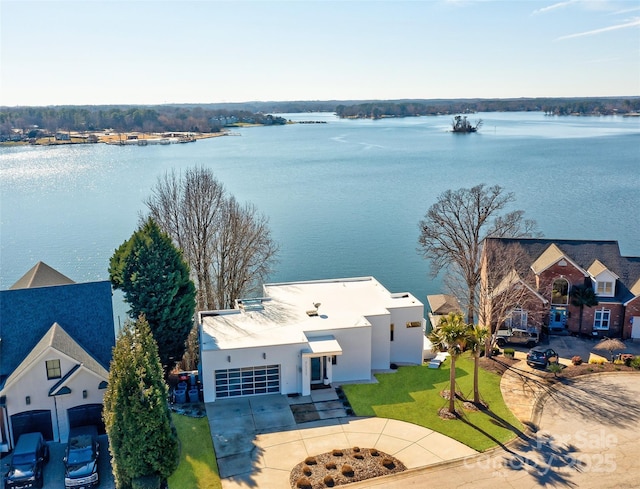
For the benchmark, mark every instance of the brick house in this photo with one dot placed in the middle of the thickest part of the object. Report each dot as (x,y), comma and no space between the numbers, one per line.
(547,271)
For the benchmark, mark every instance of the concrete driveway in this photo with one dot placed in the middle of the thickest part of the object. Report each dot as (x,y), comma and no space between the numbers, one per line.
(586,436)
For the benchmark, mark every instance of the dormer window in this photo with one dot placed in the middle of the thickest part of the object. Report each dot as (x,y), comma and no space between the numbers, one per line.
(605,289)
(53,369)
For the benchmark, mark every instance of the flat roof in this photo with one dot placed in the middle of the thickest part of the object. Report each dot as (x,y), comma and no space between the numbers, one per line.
(289,311)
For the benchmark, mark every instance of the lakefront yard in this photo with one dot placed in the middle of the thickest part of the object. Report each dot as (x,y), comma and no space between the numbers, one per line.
(414,394)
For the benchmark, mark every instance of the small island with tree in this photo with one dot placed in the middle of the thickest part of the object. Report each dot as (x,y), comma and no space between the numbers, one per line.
(460,124)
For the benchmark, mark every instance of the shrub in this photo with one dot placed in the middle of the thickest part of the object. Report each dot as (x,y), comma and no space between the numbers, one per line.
(627,358)
(328,481)
(358,456)
(509,352)
(304,483)
(310,461)
(356,449)
(374,452)
(337,453)
(388,463)
(306,470)
(576,360)
(347,470)
(331,466)
(618,362)
(635,363)
(597,361)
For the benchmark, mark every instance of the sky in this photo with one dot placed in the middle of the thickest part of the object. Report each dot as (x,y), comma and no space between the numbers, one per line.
(95,52)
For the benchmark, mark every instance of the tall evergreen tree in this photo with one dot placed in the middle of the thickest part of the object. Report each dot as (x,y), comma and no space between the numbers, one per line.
(155,280)
(583,296)
(142,440)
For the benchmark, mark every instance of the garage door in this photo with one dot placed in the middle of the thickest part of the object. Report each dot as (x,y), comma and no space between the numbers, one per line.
(248,381)
(85,415)
(32,421)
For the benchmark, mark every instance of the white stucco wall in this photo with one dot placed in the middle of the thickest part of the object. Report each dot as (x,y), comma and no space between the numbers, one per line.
(287,356)
(33,383)
(355,361)
(408,343)
(380,341)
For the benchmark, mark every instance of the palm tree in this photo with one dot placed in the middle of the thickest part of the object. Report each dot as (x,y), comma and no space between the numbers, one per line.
(477,337)
(451,335)
(581,296)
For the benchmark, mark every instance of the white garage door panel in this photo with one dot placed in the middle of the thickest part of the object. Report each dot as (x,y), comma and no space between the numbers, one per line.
(248,381)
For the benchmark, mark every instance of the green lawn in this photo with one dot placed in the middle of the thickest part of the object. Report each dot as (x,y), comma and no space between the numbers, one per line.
(198,467)
(413,394)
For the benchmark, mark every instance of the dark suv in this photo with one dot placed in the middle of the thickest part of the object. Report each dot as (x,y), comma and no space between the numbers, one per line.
(542,357)
(81,458)
(27,464)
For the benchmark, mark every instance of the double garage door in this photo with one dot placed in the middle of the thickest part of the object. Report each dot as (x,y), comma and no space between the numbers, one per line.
(248,381)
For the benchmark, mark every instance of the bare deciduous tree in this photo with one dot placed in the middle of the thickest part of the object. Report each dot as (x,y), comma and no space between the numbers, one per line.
(453,229)
(227,245)
(506,287)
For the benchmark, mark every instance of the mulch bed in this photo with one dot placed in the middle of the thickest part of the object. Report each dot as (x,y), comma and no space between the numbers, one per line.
(331,469)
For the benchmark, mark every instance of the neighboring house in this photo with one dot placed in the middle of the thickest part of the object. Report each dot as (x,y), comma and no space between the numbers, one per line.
(547,270)
(440,305)
(303,334)
(56,342)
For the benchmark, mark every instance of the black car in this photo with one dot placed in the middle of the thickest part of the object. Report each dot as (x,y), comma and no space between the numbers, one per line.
(27,464)
(542,357)
(81,458)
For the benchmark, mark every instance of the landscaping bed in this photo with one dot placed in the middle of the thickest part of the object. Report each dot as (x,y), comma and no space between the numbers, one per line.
(343,466)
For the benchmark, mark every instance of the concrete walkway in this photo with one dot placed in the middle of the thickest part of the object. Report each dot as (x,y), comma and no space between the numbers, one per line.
(277,453)
(257,441)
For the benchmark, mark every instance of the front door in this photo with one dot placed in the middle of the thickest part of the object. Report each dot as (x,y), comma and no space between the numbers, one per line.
(558,319)
(317,369)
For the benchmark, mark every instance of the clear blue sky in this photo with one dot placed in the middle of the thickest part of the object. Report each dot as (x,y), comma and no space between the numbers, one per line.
(153,52)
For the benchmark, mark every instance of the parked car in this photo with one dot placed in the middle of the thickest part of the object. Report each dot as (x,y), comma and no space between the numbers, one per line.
(81,458)
(27,463)
(517,336)
(541,356)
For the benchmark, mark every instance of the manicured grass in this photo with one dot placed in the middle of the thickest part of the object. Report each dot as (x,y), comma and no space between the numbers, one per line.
(198,467)
(412,394)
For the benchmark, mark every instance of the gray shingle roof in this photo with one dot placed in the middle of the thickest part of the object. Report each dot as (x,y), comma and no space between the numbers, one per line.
(41,275)
(84,311)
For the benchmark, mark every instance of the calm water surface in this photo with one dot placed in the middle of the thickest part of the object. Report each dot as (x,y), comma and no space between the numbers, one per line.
(343,198)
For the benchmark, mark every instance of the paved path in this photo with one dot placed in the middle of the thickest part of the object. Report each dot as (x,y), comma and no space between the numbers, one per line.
(587,438)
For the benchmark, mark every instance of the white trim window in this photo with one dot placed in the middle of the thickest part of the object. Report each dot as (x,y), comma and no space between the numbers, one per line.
(517,319)
(602,318)
(604,289)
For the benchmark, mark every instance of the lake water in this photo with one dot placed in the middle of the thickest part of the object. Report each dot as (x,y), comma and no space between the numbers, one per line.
(343,198)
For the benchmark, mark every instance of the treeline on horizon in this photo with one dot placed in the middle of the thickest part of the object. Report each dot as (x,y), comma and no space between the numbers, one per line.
(154,119)
(211,118)
(590,106)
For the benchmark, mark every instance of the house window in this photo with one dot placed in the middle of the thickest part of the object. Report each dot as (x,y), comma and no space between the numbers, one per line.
(53,369)
(602,318)
(560,291)
(517,319)
(605,288)
(391,332)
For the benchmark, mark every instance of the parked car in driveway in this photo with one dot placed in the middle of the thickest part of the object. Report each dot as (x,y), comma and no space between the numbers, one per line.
(517,336)
(81,458)
(27,463)
(541,356)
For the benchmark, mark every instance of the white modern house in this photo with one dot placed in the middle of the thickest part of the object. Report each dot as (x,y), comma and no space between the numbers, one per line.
(304,333)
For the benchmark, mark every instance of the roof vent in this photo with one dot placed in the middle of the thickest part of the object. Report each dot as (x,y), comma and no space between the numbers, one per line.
(314,312)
